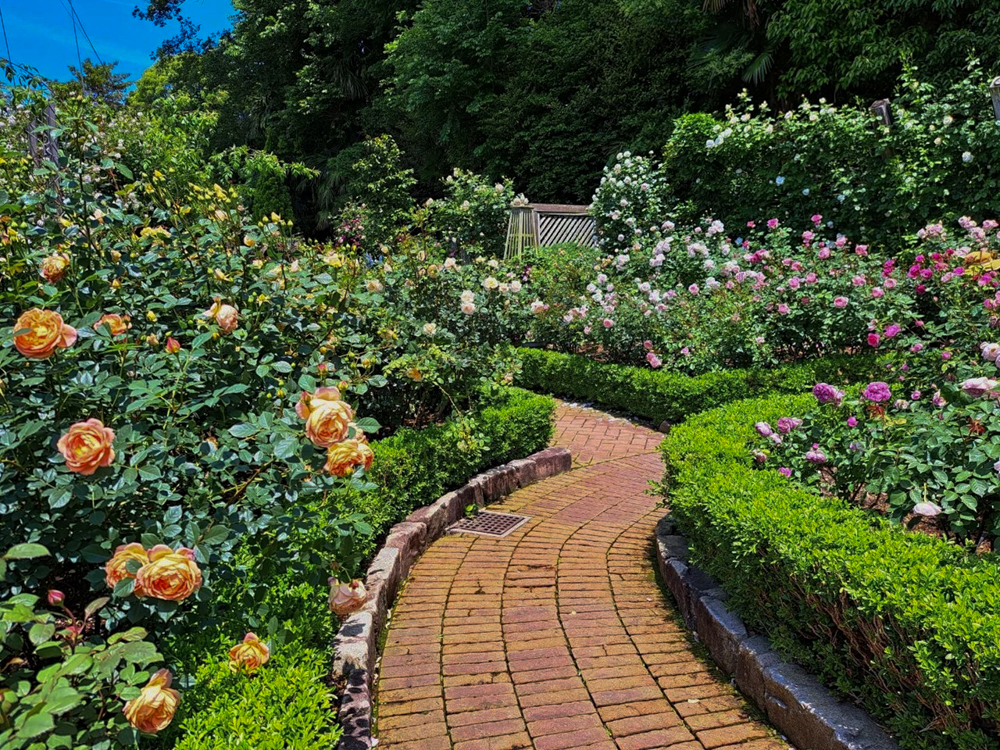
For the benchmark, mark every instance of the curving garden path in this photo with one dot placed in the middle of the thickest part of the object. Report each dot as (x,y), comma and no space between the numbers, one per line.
(557,636)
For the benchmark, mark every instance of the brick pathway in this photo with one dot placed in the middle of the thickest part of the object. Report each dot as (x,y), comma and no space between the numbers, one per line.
(557,636)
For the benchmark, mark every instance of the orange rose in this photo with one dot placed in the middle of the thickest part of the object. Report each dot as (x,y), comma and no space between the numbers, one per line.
(346,597)
(156,705)
(250,655)
(44,332)
(169,575)
(116,569)
(117,324)
(87,446)
(344,458)
(327,423)
(173,345)
(321,395)
(54,267)
(226,316)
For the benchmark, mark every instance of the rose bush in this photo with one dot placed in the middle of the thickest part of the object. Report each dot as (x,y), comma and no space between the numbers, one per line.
(185,394)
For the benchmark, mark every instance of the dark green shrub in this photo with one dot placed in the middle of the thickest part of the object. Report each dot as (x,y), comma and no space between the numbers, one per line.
(903,623)
(659,395)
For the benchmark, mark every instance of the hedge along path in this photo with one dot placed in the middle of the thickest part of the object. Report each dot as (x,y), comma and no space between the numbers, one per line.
(557,636)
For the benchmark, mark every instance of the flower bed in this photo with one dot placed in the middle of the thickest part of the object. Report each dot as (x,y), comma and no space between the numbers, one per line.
(185,398)
(903,622)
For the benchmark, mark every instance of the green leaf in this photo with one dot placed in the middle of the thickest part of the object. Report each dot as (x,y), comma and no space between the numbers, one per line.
(125,587)
(243,430)
(60,497)
(215,535)
(367,424)
(35,725)
(149,472)
(41,632)
(26,552)
(282,367)
(126,172)
(286,448)
(95,606)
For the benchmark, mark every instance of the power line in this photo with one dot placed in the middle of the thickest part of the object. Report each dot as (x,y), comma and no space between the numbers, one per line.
(4,27)
(85,34)
(76,39)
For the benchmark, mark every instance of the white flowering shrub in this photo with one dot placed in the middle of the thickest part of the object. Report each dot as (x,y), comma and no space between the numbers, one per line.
(936,162)
(630,203)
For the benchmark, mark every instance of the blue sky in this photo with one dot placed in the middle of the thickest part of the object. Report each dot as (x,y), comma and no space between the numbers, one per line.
(41,35)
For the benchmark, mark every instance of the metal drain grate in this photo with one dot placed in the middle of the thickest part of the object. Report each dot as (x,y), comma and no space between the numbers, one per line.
(497,525)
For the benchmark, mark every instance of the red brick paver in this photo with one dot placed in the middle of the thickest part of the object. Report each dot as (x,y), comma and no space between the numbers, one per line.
(558,636)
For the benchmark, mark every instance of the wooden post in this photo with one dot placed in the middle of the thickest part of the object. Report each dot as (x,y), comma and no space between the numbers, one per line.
(995,95)
(881,110)
(521,232)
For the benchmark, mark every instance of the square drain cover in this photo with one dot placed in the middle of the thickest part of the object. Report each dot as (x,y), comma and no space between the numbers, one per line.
(487,523)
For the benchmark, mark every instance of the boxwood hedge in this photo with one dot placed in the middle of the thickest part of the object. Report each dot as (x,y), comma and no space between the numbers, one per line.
(906,624)
(660,395)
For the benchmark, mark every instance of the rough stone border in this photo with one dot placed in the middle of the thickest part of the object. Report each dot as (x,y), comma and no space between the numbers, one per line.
(795,701)
(356,644)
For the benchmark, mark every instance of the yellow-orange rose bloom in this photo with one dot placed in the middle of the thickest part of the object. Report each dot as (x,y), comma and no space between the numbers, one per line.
(44,332)
(117,324)
(54,267)
(344,458)
(116,569)
(328,421)
(346,597)
(249,655)
(169,575)
(156,705)
(86,446)
(309,401)
(227,316)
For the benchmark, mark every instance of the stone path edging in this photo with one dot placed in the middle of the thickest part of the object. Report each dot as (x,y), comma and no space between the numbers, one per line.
(356,643)
(794,701)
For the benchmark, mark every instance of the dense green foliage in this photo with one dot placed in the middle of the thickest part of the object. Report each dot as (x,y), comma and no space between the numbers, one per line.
(901,621)
(662,395)
(184,397)
(937,162)
(462,86)
(415,467)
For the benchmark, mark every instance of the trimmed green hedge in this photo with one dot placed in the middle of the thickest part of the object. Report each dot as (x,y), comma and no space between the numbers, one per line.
(659,395)
(415,467)
(906,624)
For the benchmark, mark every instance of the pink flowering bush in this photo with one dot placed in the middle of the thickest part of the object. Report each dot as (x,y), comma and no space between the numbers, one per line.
(708,300)
(924,443)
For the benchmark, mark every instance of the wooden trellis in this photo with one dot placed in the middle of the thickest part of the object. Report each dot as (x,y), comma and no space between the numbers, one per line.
(546,224)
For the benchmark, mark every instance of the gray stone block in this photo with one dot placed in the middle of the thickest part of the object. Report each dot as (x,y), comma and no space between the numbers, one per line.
(677,546)
(754,656)
(552,461)
(382,583)
(675,575)
(812,718)
(436,517)
(526,471)
(355,712)
(475,491)
(354,644)
(498,483)
(410,539)
(666,526)
(720,630)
